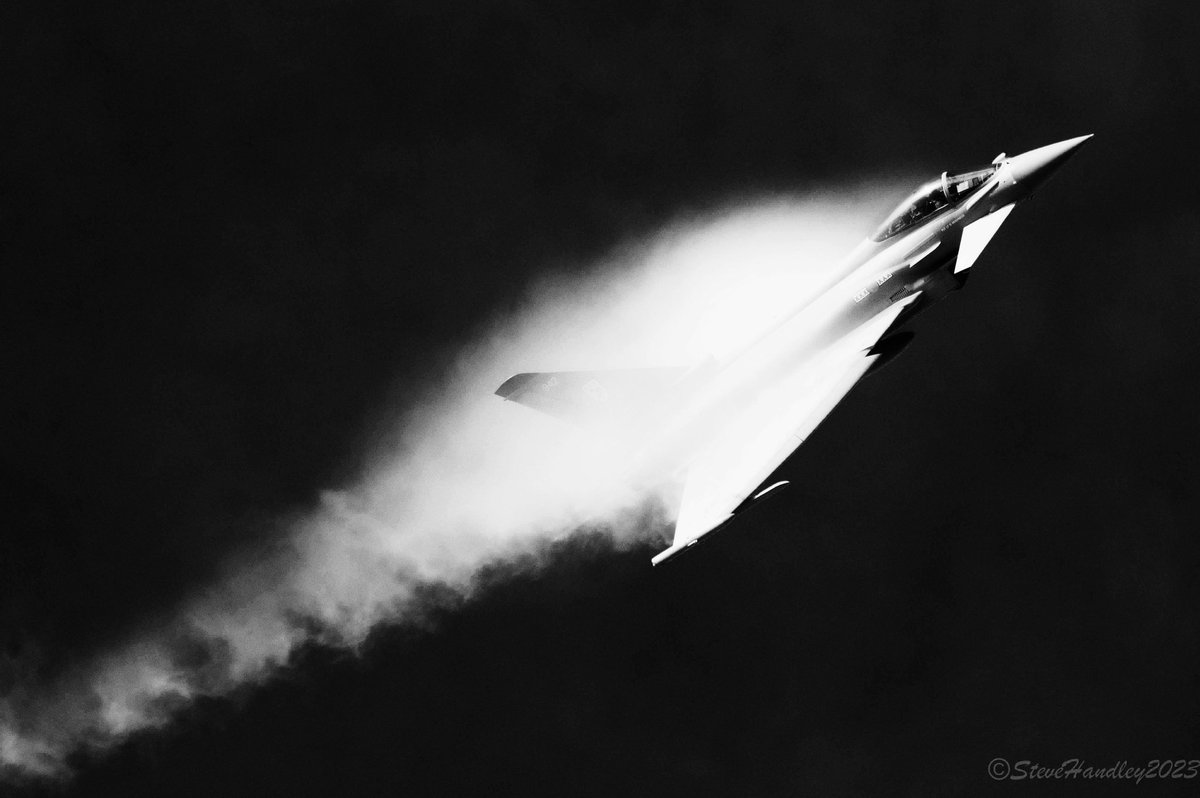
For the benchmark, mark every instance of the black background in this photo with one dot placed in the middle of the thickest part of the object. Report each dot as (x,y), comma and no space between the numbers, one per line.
(234,233)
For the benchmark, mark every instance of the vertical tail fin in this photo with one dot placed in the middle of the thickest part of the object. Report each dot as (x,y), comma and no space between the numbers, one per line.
(591,398)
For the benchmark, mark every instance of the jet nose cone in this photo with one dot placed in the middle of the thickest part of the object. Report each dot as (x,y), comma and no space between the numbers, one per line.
(1033,168)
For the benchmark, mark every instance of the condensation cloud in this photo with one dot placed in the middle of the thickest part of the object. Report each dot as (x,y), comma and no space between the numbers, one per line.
(462,478)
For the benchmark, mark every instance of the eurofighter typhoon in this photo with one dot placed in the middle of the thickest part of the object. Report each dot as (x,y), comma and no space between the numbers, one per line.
(725,426)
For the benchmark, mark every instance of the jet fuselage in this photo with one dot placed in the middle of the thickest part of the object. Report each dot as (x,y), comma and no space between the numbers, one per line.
(914,269)
(727,424)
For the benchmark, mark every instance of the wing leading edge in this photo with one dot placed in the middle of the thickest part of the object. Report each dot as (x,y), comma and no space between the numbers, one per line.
(772,426)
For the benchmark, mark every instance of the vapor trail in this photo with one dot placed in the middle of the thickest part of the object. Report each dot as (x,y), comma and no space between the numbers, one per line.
(464,478)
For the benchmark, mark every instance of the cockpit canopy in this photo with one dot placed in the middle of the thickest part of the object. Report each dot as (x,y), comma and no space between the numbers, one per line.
(930,199)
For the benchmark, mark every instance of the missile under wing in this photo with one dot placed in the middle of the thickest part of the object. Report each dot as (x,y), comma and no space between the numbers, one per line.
(729,425)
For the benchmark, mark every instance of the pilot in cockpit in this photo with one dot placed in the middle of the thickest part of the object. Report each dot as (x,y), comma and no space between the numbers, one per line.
(931,198)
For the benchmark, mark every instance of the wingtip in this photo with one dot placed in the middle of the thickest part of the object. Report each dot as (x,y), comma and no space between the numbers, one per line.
(666,555)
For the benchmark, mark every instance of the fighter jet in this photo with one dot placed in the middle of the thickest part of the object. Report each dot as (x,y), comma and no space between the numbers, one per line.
(725,426)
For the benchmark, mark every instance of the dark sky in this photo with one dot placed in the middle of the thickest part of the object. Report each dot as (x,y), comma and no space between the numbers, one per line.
(233,234)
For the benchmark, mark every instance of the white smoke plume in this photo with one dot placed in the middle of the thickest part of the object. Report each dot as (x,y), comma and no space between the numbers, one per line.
(462,479)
